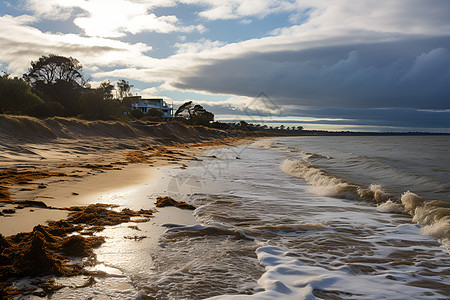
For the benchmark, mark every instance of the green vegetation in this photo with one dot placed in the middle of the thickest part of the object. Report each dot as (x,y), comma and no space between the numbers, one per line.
(16,96)
(55,86)
(59,81)
(194,114)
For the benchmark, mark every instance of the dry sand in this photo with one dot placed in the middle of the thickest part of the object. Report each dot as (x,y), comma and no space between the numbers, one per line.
(99,162)
(48,167)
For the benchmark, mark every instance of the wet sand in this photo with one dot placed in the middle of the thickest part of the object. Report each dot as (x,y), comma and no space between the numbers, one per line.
(101,178)
(43,181)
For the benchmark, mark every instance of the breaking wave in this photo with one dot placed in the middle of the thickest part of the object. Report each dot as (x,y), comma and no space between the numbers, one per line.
(391,207)
(432,215)
(264,144)
(325,184)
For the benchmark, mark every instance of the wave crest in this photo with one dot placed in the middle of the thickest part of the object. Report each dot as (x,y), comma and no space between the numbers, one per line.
(433,215)
(264,144)
(390,207)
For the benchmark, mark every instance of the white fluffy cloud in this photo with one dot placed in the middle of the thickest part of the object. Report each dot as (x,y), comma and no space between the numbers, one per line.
(111,18)
(234,9)
(22,43)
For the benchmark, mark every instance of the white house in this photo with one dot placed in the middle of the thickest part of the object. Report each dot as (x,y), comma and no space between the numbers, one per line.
(145,105)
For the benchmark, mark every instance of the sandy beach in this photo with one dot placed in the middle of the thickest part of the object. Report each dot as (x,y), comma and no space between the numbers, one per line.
(46,178)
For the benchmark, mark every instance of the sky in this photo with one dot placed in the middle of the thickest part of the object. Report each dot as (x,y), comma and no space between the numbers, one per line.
(370,65)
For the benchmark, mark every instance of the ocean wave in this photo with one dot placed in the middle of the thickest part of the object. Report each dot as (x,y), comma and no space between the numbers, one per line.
(288,278)
(317,156)
(205,230)
(301,227)
(391,207)
(432,215)
(325,184)
(263,144)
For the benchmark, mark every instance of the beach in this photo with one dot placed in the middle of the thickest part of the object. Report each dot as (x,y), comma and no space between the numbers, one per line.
(51,168)
(277,218)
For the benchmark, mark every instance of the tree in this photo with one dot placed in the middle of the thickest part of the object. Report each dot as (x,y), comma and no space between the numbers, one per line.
(16,96)
(5,74)
(194,114)
(124,88)
(99,104)
(106,88)
(95,106)
(57,79)
(54,68)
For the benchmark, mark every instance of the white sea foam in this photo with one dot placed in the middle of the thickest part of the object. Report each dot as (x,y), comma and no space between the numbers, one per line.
(377,191)
(410,201)
(288,278)
(433,216)
(321,182)
(264,144)
(439,230)
(390,207)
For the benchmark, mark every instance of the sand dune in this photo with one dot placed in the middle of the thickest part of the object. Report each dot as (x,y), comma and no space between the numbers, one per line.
(26,140)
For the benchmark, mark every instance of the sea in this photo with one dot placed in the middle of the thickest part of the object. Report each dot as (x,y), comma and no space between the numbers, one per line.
(341,217)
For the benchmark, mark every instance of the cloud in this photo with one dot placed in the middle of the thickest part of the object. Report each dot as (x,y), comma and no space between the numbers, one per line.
(199,46)
(149,92)
(405,73)
(255,110)
(236,9)
(338,58)
(112,18)
(22,43)
(52,9)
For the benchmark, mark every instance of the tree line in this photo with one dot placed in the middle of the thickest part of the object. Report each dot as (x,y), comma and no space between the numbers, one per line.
(56,86)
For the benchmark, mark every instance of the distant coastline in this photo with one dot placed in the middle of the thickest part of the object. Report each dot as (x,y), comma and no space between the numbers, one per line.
(363,133)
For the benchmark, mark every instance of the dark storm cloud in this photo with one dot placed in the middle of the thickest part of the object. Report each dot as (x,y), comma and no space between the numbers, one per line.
(412,73)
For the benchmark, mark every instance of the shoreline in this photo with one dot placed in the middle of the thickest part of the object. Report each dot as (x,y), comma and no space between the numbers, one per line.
(111,180)
(92,182)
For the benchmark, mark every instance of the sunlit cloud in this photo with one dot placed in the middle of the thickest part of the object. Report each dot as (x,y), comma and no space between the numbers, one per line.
(112,18)
(235,9)
(22,43)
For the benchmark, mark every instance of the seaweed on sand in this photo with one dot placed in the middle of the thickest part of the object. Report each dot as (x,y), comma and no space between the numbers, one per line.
(92,166)
(13,176)
(47,249)
(5,194)
(100,215)
(41,253)
(168,201)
